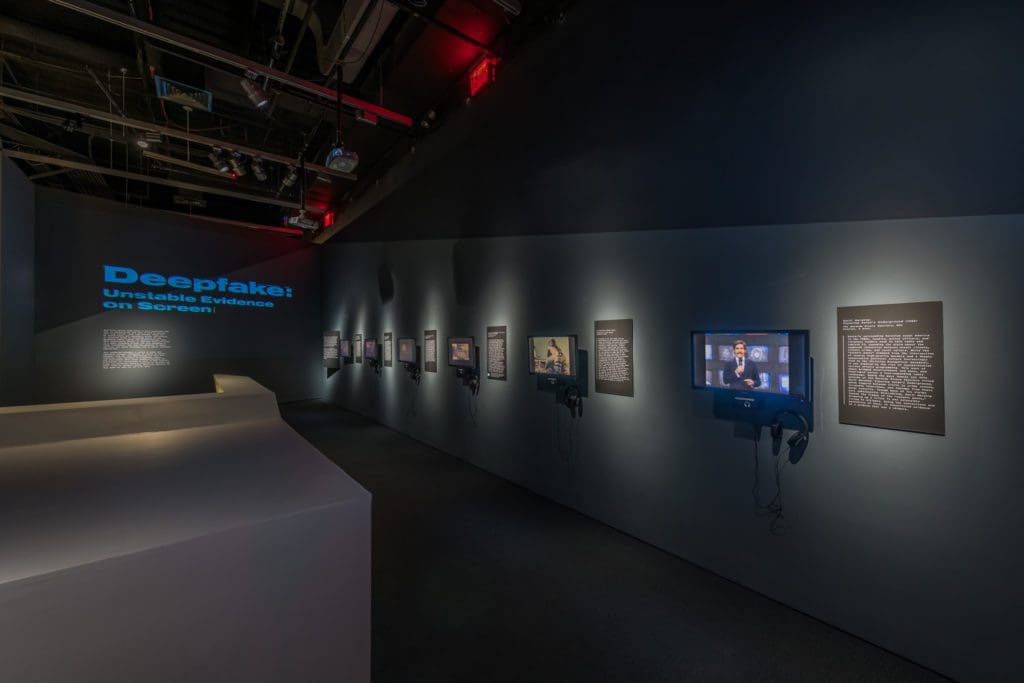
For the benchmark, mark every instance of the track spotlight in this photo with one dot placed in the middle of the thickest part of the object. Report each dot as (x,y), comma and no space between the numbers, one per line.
(72,124)
(256,94)
(218,161)
(291,178)
(257,169)
(237,164)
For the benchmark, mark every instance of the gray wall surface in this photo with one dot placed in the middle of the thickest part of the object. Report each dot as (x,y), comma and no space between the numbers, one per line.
(76,236)
(17,283)
(910,541)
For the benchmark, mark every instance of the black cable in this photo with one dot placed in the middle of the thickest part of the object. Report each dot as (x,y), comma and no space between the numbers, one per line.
(473,411)
(772,508)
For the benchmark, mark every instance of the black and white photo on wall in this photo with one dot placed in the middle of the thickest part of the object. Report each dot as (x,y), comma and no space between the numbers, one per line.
(891,372)
(430,350)
(357,341)
(497,352)
(387,351)
(613,357)
(332,350)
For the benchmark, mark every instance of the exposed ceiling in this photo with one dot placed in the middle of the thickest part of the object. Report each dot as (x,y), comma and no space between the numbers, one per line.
(78,91)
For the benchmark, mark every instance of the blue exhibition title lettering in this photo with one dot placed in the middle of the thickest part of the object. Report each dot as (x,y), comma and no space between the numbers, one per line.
(127,289)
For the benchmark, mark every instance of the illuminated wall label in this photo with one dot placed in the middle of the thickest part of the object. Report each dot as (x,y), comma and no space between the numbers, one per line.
(332,349)
(891,367)
(430,350)
(155,292)
(135,349)
(388,350)
(613,363)
(497,352)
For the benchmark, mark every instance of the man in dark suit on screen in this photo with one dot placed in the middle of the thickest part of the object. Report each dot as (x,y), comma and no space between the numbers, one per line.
(741,373)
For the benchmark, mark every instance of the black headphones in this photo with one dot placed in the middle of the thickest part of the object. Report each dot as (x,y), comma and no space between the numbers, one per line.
(574,400)
(799,437)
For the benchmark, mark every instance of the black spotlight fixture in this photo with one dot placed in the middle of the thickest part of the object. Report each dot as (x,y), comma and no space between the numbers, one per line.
(291,178)
(257,169)
(237,164)
(254,91)
(72,123)
(218,160)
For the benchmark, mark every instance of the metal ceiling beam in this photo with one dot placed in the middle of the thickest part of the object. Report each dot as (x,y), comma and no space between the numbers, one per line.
(60,44)
(156,33)
(100,115)
(77,166)
(198,168)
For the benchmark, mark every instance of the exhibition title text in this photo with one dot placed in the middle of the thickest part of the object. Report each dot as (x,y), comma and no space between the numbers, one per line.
(184,294)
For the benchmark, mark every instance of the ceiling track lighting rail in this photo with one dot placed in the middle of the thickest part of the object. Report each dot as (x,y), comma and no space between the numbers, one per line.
(156,33)
(100,115)
(103,170)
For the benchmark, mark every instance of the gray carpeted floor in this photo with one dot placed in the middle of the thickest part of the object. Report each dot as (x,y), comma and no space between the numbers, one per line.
(476,579)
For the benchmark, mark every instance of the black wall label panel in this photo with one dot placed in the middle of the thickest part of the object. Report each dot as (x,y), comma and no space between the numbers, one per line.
(497,352)
(891,367)
(357,342)
(332,349)
(430,350)
(613,357)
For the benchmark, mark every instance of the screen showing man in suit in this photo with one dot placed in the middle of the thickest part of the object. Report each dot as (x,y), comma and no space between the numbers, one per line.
(751,361)
(741,372)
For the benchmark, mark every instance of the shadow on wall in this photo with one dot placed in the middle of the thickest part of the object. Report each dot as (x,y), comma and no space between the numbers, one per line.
(467,274)
(385,283)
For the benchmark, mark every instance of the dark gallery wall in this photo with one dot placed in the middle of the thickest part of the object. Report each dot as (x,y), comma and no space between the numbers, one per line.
(77,236)
(760,177)
(17,226)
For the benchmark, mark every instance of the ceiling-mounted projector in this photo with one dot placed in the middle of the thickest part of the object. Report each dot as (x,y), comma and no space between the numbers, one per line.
(341,159)
(513,7)
(303,221)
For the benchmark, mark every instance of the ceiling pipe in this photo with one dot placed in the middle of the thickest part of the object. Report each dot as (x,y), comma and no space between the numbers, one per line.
(127,175)
(155,32)
(302,34)
(101,115)
(60,44)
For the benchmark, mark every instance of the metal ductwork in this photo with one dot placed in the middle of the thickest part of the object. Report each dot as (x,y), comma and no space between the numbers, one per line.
(354,35)
(156,33)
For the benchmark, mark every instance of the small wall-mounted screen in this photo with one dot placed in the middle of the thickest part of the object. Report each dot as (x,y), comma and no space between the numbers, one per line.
(461,352)
(345,348)
(406,350)
(775,362)
(370,350)
(555,356)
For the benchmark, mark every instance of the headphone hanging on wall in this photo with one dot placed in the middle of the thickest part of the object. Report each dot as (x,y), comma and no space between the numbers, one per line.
(799,438)
(574,401)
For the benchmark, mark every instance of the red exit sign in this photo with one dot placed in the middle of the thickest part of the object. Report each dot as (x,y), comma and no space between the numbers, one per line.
(481,75)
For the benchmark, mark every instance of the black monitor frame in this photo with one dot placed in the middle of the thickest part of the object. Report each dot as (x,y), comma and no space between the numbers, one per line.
(760,407)
(376,350)
(471,363)
(414,353)
(571,379)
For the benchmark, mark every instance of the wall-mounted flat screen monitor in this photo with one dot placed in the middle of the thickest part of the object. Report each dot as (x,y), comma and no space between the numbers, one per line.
(461,352)
(345,348)
(552,356)
(370,350)
(765,361)
(406,350)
